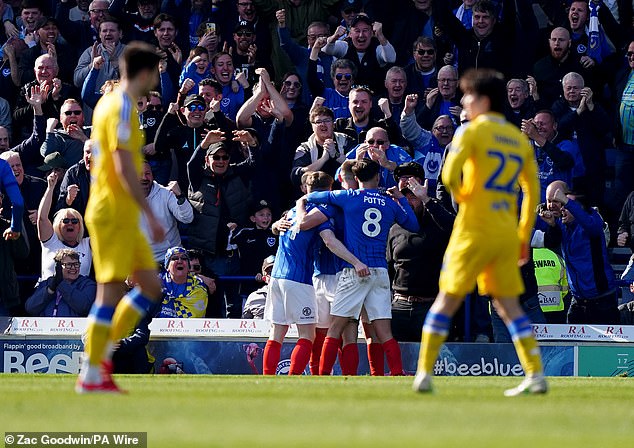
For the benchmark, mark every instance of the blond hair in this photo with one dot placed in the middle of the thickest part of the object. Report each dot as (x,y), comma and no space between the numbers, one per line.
(64,213)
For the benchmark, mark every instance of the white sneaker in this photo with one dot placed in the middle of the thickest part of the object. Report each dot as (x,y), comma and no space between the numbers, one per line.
(530,385)
(422,382)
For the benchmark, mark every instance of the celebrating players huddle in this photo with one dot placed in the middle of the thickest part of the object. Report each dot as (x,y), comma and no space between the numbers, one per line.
(486,163)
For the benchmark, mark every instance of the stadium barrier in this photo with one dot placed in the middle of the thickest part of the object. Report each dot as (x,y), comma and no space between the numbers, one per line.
(235,346)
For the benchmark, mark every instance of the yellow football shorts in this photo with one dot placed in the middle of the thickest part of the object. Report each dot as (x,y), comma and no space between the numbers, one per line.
(488,260)
(119,250)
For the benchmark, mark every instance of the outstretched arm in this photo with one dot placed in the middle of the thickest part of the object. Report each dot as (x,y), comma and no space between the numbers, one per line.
(44,225)
(336,247)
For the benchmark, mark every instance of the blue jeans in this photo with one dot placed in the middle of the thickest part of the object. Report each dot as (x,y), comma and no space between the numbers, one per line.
(533,312)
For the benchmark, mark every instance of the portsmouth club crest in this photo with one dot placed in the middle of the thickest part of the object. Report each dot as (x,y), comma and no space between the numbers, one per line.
(270,241)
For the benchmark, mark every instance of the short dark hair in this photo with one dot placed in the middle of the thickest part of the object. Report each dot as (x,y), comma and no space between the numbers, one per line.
(29,4)
(136,57)
(197,51)
(343,64)
(321,110)
(317,180)
(548,112)
(162,17)
(486,6)
(366,169)
(211,82)
(485,82)
(424,40)
(109,19)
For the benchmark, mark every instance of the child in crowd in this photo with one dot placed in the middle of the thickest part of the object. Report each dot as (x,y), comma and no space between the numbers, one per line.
(254,244)
(196,68)
(254,306)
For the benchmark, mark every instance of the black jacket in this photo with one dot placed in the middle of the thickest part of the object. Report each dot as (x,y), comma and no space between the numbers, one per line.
(75,175)
(414,259)
(217,200)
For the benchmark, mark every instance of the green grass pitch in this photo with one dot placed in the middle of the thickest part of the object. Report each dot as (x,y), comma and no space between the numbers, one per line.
(255,411)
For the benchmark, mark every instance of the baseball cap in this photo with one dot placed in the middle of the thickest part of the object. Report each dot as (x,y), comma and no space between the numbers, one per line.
(243,26)
(176,250)
(409,169)
(361,18)
(257,206)
(268,262)
(191,99)
(54,160)
(215,147)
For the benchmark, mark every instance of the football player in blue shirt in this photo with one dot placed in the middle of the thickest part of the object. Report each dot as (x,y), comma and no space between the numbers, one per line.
(327,269)
(368,216)
(291,293)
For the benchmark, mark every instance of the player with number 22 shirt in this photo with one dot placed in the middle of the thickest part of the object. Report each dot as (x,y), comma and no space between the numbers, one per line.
(487,160)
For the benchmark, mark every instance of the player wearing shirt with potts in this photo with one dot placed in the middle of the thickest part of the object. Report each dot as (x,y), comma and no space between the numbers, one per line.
(291,297)
(368,216)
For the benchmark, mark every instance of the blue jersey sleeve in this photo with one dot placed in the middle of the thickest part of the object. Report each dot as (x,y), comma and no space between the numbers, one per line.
(319,197)
(10,186)
(328,210)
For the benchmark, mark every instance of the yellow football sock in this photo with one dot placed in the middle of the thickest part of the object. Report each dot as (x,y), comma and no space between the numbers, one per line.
(98,333)
(429,349)
(435,332)
(126,317)
(128,313)
(529,355)
(526,345)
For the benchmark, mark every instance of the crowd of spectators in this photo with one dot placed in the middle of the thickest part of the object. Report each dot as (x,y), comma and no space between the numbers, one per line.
(254,93)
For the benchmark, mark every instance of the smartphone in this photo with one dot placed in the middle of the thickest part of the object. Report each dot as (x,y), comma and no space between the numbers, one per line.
(211,27)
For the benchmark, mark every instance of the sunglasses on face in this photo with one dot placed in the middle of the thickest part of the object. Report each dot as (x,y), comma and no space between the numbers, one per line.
(196,267)
(194,107)
(244,34)
(378,142)
(74,265)
(215,157)
(295,84)
(72,112)
(155,107)
(341,76)
(70,221)
(422,52)
(177,258)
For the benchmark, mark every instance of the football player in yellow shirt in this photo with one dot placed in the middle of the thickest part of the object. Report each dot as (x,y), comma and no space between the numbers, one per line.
(112,216)
(486,161)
